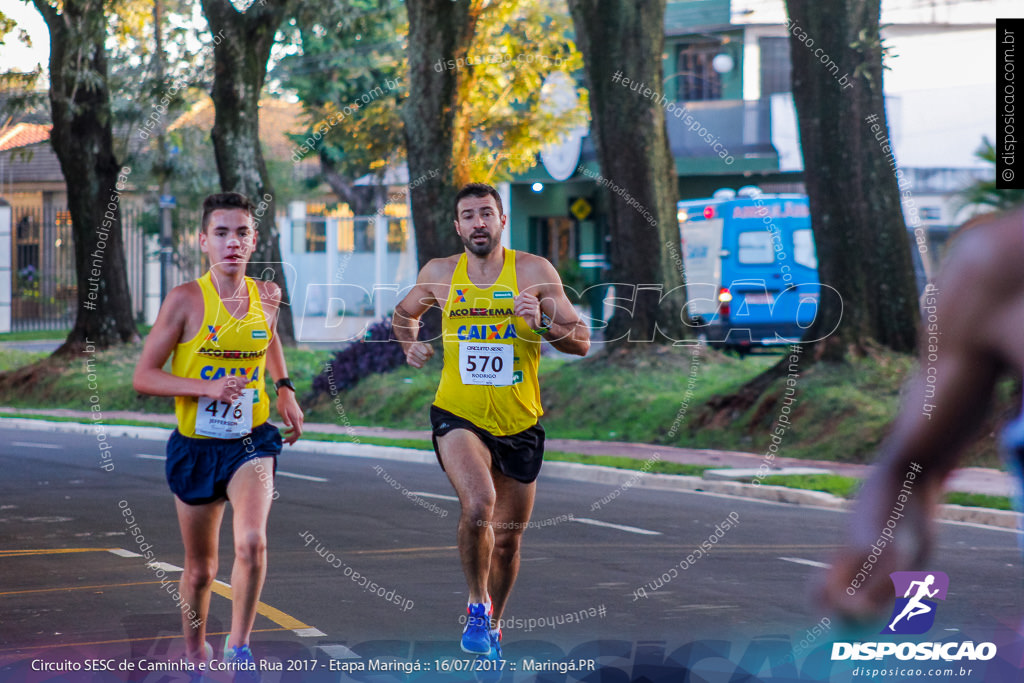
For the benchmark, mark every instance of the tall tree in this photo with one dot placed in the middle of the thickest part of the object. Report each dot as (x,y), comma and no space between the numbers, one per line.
(859,229)
(240,69)
(624,39)
(438,30)
(82,139)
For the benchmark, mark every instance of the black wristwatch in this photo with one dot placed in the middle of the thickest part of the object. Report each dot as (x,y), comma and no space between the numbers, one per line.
(284,382)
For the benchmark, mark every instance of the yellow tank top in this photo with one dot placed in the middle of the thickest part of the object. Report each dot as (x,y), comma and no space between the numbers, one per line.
(224,345)
(490,355)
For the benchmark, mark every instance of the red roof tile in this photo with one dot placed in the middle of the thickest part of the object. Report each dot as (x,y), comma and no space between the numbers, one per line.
(22,134)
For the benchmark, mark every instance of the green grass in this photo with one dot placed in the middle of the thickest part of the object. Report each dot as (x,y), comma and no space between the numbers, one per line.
(846,487)
(35,335)
(11,359)
(623,463)
(837,485)
(57,418)
(979,500)
(67,385)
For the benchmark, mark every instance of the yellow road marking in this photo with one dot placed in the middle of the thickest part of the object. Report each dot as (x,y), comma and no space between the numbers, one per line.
(394,551)
(23,648)
(272,613)
(287,622)
(80,588)
(51,551)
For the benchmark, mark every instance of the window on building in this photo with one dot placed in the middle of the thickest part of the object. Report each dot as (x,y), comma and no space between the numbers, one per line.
(696,78)
(776,68)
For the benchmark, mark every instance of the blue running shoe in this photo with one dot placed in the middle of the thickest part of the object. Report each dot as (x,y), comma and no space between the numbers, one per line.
(240,659)
(495,652)
(490,667)
(476,637)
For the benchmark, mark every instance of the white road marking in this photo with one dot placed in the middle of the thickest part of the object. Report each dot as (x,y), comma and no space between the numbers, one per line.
(338,652)
(308,632)
(439,496)
(34,444)
(121,552)
(809,563)
(147,456)
(305,477)
(620,527)
(165,566)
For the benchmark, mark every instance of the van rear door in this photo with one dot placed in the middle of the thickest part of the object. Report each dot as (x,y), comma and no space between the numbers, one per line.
(702,247)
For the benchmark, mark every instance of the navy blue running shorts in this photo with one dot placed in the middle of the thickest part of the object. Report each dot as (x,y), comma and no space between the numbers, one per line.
(198,470)
(519,456)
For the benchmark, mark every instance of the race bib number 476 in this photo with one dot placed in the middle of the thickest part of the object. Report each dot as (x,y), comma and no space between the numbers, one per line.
(225,420)
(486,364)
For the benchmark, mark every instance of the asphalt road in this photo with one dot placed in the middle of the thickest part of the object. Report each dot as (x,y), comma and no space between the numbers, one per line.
(71,588)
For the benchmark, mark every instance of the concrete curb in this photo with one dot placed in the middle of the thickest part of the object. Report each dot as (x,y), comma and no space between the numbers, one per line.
(593,474)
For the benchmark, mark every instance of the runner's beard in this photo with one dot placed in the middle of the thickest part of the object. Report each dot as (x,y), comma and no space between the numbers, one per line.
(479,249)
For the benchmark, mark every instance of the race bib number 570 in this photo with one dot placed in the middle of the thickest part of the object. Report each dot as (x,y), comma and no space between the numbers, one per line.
(487,364)
(223,420)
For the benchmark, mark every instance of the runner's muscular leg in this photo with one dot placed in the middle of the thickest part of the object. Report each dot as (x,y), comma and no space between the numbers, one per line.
(250,503)
(200,532)
(467,462)
(511,515)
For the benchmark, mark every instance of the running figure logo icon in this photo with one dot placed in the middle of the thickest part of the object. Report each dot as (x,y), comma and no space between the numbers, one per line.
(914,612)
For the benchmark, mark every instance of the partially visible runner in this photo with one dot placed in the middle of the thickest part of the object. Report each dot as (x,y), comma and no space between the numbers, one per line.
(221,330)
(498,306)
(968,340)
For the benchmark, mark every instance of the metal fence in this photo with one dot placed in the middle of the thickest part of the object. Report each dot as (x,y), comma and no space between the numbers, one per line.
(44,284)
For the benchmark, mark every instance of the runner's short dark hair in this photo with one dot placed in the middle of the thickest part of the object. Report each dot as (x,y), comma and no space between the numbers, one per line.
(226,200)
(477,190)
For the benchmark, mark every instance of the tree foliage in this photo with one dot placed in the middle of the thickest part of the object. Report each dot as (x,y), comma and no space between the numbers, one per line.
(984,194)
(351,78)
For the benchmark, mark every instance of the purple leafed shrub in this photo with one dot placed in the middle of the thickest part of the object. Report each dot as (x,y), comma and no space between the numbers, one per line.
(377,352)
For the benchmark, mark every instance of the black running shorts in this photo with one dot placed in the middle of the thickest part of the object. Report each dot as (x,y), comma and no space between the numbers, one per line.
(198,470)
(518,456)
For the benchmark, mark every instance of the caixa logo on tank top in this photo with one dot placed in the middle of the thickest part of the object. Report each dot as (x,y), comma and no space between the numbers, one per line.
(914,614)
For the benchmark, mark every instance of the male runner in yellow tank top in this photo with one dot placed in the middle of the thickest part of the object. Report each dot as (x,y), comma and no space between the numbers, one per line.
(498,305)
(221,331)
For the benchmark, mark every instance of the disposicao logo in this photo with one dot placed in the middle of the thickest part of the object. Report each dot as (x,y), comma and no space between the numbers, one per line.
(914,613)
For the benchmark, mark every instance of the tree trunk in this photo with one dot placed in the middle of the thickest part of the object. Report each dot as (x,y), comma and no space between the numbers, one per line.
(83,142)
(621,39)
(861,237)
(439,31)
(242,43)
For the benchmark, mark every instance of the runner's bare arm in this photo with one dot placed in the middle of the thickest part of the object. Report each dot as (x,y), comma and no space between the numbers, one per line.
(406,319)
(287,403)
(545,294)
(926,439)
(150,377)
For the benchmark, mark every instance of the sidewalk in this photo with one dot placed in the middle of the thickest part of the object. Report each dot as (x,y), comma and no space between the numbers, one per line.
(967,480)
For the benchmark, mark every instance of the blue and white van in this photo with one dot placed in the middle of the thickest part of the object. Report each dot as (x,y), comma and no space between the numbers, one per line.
(751,267)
